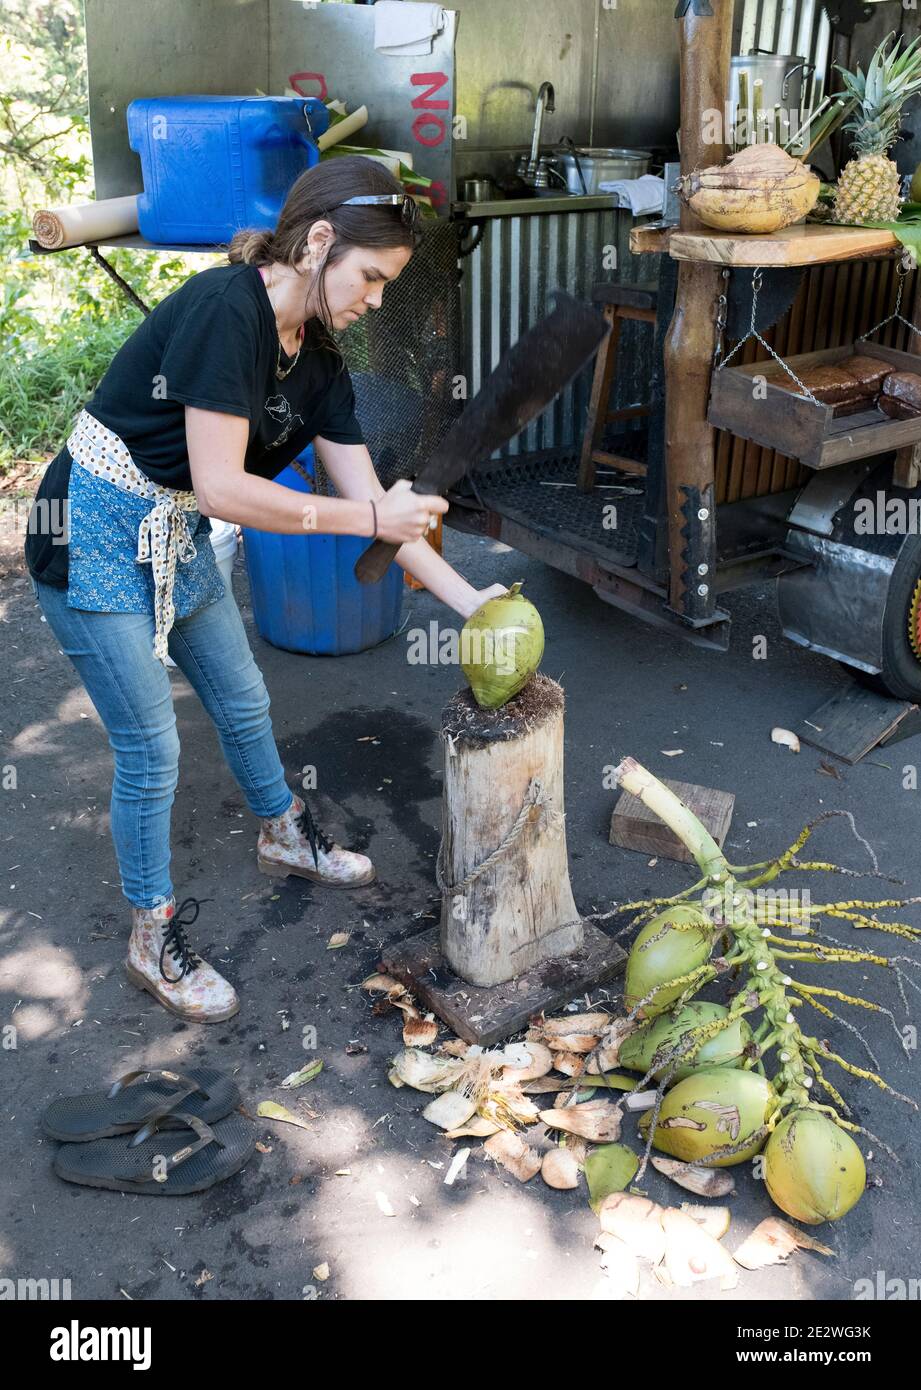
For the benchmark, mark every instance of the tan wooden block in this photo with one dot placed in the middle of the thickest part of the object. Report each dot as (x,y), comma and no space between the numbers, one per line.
(634,826)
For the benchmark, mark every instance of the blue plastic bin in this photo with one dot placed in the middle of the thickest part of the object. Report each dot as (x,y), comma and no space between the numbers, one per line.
(305,594)
(212,165)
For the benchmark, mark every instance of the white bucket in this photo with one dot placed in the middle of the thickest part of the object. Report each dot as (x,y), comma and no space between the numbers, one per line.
(224,544)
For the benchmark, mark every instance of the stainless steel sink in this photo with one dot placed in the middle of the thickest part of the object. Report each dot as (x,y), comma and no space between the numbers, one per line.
(527,206)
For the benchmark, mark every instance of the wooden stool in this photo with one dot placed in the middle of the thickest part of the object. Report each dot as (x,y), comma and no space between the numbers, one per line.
(620,302)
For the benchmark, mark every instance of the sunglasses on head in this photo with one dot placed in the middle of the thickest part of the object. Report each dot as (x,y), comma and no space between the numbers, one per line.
(408,207)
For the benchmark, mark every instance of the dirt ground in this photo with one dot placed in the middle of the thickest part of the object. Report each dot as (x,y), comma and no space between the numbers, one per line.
(361,1187)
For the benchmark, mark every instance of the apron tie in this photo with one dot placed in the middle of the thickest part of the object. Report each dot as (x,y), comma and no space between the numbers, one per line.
(164,538)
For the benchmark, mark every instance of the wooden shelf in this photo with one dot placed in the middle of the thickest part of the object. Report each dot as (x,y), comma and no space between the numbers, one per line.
(650,239)
(132,240)
(809,244)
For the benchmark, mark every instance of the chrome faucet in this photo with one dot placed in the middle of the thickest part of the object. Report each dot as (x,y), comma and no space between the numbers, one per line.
(535,172)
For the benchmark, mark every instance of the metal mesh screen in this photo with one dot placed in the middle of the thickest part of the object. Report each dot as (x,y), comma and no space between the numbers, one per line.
(403,359)
(539,491)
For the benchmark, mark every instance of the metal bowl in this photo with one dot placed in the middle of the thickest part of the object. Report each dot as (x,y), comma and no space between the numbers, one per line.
(585,169)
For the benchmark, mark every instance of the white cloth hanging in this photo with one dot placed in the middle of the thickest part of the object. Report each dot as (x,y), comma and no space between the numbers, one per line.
(404,28)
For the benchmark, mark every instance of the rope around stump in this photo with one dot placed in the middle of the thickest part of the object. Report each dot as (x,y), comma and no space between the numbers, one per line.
(536,796)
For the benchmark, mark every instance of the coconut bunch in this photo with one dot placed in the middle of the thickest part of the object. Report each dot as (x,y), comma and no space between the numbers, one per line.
(745,1079)
(758,190)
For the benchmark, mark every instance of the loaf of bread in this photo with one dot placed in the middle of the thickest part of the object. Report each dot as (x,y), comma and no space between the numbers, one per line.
(830,385)
(905,387)
(898,410)
(869,372)
(855,407)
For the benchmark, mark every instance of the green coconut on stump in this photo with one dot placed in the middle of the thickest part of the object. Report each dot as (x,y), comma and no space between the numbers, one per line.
(502,645)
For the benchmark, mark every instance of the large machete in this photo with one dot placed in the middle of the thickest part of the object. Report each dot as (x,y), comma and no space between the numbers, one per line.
(542,362)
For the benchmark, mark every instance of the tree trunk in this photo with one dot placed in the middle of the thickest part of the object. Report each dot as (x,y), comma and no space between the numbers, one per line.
(504,768)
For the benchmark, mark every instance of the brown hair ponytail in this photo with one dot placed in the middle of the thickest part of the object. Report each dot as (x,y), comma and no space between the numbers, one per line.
(252,248)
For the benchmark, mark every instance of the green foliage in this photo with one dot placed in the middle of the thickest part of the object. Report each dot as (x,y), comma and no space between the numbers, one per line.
(61,317)
(41,394)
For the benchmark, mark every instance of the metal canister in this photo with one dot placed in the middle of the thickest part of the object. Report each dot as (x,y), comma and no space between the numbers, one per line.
(776,95)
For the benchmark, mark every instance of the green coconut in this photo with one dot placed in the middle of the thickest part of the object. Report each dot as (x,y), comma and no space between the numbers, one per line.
(720,1107)
(501,647)
(663,1034)
(671,945)
(813,1169)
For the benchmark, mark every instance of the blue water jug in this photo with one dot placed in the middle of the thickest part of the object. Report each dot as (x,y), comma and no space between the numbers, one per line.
(212,165)
(305,594)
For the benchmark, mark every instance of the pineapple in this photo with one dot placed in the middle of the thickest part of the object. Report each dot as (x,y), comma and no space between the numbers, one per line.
(868,189)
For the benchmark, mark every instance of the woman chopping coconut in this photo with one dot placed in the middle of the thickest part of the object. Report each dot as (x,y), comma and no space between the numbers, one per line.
(226,381)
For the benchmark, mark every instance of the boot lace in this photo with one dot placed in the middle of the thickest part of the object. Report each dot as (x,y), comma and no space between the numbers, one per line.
(308,826)
(176,943)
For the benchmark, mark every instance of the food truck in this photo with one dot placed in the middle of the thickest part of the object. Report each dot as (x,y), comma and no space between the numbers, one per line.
(554,138)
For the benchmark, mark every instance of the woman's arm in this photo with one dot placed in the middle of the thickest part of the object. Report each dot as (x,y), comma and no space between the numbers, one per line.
(352,472)
(217,449)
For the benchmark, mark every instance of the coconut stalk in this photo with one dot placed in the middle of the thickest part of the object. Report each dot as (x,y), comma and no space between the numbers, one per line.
(742,130)
(752,946)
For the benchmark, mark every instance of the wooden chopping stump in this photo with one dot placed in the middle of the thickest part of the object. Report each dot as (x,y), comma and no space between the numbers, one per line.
(504,768)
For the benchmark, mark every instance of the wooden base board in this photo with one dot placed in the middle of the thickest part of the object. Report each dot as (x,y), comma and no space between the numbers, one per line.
(486,1015)
(857,720)
(634,826)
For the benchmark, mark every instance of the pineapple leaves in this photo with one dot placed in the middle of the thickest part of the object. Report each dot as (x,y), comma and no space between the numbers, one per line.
(894,75)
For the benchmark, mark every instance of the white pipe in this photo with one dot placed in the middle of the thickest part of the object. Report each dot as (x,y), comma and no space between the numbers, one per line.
(768,25)
(822,46)
(805,37)
(749,26)
(787,23)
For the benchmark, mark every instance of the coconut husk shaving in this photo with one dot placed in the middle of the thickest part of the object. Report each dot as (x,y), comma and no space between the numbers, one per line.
(681,1251)
(514,1155)
(771,1242)
(595,1120)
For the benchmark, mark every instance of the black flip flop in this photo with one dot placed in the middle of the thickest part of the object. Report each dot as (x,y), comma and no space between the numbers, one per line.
(136,1099)
(162,1163)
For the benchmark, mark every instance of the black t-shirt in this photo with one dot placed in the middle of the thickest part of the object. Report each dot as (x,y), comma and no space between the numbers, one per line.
(213,343)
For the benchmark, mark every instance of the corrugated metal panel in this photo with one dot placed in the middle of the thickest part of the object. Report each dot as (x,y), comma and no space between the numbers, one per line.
(507,286)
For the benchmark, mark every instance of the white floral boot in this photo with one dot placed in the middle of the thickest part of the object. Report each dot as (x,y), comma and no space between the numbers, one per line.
(294,844)
(161,961)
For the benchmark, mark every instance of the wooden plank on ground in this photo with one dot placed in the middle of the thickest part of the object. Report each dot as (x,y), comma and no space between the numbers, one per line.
(486,1015)
(634,826)
(854,722)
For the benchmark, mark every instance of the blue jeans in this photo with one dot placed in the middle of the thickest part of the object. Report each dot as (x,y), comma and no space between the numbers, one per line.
(113,655)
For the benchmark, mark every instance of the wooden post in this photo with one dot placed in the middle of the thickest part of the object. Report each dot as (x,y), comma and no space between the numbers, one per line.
(507,904)
(706,42)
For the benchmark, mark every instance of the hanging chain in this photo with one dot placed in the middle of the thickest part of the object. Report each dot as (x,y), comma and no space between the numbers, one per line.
(905,269)
(722,306)
(753,333)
